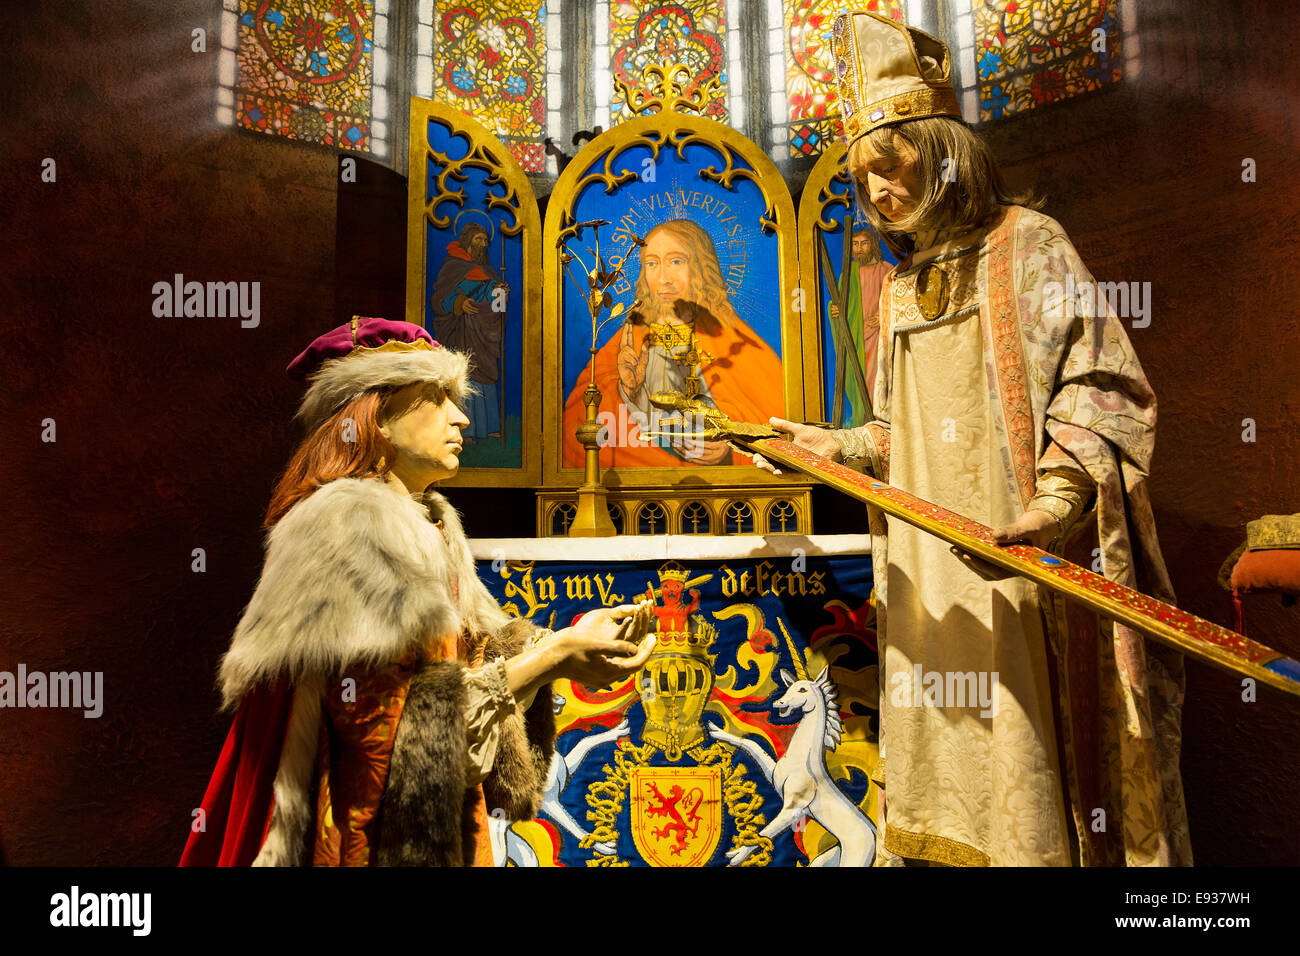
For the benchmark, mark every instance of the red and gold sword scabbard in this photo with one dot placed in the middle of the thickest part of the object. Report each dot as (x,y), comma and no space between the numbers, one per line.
(692,418)
(1190,634)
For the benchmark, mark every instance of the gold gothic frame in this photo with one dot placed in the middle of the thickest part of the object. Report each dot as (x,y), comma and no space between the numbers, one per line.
(488,153)
(814,204)
(689,509)
(595,163)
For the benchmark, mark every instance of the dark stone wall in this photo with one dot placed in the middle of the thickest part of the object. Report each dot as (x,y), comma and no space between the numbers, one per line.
(170,432)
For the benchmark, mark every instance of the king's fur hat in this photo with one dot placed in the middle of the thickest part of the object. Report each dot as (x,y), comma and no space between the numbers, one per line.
(369,353)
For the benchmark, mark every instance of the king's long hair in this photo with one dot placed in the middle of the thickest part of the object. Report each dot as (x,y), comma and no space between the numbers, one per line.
(348,444)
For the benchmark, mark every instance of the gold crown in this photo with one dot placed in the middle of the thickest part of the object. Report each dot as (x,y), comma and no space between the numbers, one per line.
(888,72)
(669,572)
(695,641)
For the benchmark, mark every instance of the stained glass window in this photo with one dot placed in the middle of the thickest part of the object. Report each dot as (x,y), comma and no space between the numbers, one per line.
(805,104)
(636,34)
(311,70)
(555,82)
(489,59)
(1022,55)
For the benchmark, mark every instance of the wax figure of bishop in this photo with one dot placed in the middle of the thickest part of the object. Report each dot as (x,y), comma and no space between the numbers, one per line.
(997,400)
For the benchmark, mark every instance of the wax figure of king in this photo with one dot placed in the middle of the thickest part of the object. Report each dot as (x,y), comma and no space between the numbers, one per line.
(996,400)
(385,704)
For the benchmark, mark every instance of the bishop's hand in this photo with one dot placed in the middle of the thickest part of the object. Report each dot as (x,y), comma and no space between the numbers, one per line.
(819,441)
(1038,528)
(1035,527)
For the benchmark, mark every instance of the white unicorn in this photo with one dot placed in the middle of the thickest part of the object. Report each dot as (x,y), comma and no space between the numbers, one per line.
(510,847)
(800,777)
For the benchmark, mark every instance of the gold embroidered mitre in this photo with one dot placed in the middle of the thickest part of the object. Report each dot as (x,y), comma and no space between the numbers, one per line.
(888,72)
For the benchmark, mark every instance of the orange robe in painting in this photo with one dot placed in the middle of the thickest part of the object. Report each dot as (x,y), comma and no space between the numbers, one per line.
(744,378)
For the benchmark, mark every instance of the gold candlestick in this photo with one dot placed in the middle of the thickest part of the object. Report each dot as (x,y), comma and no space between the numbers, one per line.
(592,519)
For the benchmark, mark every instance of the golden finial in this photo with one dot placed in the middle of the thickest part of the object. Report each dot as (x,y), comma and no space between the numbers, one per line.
(669,95)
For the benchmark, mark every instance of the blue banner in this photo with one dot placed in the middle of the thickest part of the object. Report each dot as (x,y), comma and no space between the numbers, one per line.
(747,739)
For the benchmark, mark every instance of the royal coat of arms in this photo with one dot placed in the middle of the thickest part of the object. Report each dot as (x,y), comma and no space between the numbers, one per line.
(734,745)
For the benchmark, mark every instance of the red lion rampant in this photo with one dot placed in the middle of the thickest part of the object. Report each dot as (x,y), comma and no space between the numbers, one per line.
(671,807)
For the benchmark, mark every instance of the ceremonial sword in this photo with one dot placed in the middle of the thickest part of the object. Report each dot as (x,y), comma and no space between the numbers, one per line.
(1196,637)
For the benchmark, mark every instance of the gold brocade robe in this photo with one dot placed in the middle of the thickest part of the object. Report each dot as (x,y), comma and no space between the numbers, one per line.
(1005,719)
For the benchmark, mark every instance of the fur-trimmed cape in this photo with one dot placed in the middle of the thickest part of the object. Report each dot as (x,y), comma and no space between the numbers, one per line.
(358,574)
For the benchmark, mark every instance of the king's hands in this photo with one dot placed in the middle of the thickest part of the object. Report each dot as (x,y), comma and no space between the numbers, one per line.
(605,645)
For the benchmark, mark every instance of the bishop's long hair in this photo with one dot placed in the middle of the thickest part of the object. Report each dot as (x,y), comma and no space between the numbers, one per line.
(963,187)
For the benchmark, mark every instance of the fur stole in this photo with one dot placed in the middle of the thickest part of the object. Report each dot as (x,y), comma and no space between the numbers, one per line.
(358,574)
(427,816)
(355,574)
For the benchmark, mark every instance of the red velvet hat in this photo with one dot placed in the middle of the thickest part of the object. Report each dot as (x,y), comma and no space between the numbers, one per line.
(369,353)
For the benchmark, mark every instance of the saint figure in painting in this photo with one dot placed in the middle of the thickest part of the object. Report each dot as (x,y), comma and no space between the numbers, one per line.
(680,294)
(469,316)
(867,271)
